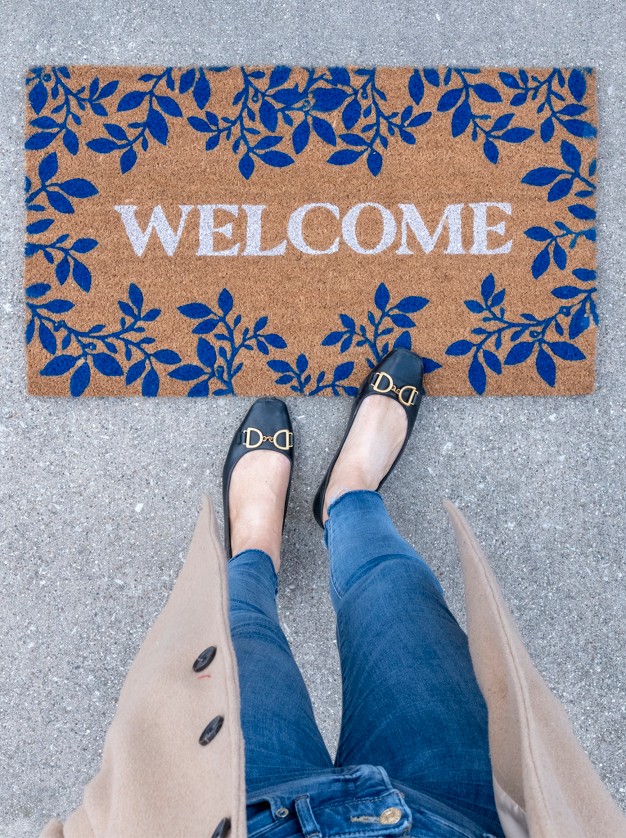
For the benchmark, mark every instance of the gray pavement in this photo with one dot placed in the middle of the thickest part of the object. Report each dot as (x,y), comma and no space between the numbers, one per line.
(99,497)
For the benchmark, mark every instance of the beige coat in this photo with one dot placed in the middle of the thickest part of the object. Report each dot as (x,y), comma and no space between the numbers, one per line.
(157,781)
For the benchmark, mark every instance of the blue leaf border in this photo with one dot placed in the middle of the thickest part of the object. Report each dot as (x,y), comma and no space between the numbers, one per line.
(529,337)
(266,100)
(128,352)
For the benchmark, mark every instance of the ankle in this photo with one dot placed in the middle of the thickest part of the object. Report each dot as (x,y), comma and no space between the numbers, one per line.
(345,480)
(271,546)
(257,494)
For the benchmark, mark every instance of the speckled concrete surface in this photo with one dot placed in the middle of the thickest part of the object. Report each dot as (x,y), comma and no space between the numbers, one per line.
(99,497)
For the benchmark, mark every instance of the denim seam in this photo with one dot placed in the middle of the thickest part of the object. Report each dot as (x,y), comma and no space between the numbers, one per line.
(343,776)
(331,578)
(354,799)
(263,552)
(460,830)
(439,597)
(269,826)
(331,532)
(350,492)
(356,832)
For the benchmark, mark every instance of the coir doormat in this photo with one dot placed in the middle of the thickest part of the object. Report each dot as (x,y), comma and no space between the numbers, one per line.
(198,231)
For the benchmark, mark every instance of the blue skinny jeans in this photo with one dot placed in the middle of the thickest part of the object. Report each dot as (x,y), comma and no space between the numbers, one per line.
(413,756)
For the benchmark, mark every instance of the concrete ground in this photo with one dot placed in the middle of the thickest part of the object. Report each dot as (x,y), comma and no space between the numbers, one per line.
(99,497)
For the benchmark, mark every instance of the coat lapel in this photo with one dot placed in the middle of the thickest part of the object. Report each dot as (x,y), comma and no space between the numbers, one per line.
(544,783)
(156,780)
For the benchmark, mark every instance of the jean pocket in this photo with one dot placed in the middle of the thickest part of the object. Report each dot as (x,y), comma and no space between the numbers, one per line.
(259,816)
(261,820)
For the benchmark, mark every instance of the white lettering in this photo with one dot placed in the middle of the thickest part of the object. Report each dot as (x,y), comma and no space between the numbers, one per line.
(481,229)
(411,218)
(252,242)
(208,229)
(294,229)
(348,229)
(158,222)
(254,232)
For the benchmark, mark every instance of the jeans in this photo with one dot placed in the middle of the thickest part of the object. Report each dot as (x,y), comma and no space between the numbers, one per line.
(413,755)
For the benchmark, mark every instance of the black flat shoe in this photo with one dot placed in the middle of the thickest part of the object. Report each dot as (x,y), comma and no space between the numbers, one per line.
(398,376)
(267,425)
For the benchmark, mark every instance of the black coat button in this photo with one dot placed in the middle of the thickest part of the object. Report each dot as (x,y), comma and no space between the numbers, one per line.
(211,730)
(222,829)
(204,659)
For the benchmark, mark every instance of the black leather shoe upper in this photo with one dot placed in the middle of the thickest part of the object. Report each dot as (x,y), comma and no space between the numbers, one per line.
(266,425)
(399,375)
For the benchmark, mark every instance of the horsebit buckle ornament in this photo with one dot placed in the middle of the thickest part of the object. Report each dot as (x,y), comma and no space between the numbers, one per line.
(272,439)
(398,390)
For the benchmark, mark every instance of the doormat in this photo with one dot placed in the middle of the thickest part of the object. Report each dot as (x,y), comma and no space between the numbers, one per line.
(272,230)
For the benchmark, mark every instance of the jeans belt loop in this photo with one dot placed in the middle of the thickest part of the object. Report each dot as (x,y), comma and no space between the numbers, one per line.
(310,827)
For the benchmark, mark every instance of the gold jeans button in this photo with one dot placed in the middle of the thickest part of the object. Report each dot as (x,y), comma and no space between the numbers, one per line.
(391,815)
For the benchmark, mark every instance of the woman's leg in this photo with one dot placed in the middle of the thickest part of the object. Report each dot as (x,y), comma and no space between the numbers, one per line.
(282,740)
(411,702)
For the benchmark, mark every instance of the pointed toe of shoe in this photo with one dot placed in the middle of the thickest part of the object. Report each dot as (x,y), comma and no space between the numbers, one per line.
(399,375)
(266,426)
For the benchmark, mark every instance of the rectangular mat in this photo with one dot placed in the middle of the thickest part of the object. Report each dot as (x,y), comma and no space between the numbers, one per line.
(196,231)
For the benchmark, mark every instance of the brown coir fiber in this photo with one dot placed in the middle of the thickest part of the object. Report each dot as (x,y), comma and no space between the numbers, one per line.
(276,230)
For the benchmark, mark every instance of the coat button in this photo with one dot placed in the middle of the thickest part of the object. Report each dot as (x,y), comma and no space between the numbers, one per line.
(391,815)
(222,829)
(204,659)
(211,730)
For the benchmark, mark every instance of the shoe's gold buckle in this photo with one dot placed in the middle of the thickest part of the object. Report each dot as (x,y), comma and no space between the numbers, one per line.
(288,439)
(413,391)
(261,438)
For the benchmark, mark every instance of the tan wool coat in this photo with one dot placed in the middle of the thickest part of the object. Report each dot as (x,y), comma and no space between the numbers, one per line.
(157,780)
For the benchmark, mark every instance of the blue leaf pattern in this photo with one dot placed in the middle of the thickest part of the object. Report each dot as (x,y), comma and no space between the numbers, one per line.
(94,349)
(348,111)
(376,339)
(527,334)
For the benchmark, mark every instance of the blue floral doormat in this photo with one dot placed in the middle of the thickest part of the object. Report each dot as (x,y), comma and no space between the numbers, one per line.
(210,231)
